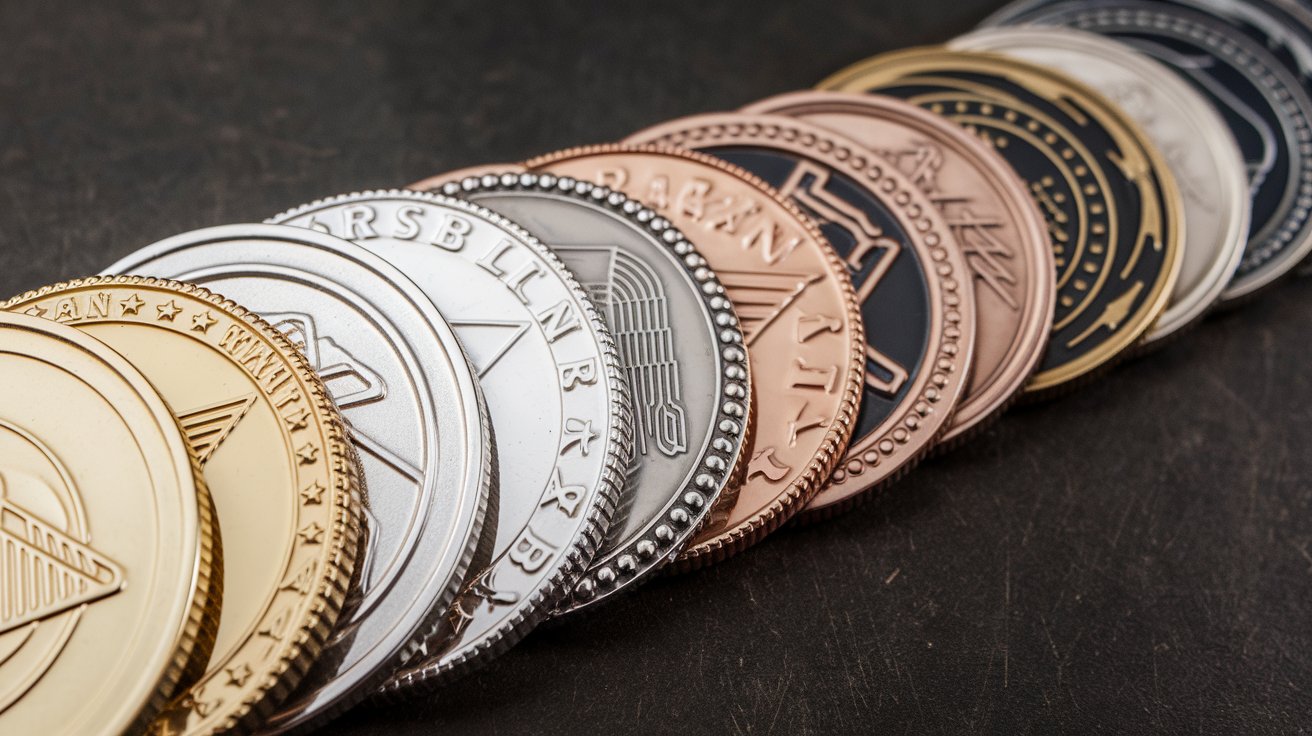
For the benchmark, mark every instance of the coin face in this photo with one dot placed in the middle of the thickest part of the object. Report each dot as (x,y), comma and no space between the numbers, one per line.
(557,400)
(1262,102)
(395,369)
(1111,205)
(107,552)
(274,455)
(909,273)
(679,344)
(1186,129)
(998,228)
(799,315)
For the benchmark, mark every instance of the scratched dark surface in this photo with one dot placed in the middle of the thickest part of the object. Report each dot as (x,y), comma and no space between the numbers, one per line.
(1136,558)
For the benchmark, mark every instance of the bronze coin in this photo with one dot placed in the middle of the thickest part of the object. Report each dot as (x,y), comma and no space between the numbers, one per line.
(996,223)
(912,281)
(799,315)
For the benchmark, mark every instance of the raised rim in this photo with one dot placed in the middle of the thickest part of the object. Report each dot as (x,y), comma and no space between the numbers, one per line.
(666,535)
(1045,383)
(794,498)
(1218,141)
(975,411)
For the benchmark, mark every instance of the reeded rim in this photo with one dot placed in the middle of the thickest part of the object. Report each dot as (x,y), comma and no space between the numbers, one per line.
(302,645)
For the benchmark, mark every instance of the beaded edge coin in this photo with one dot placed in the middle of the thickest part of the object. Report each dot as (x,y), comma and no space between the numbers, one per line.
(1126,325)
(722,458)
(790,500)
(433,664)
(239,693)
(942,146)
(193,639)
(913,425)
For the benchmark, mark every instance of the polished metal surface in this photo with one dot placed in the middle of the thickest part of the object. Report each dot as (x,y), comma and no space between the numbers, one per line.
(557,399)
(1261,99)
(396,370)
(671,320)
(1187,130)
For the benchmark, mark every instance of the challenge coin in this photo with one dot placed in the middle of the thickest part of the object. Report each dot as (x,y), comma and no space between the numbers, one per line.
(1191,135)
(1265,105)
(413,411)
(556,396)
(800,318)
(680,347)
(996,225)
(106,540)
(274,455)
(1110,202)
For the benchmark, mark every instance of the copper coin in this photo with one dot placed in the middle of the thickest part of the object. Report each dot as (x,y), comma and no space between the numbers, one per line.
(800,318)
(996,223)
(912,281)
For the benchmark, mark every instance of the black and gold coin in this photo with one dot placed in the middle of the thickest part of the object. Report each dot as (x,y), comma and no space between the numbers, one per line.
(1112,207)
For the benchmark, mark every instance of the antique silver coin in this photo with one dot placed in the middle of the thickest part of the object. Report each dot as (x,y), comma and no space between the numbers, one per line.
(1262,100)
(680,346)
(558,401)
(396,370)
(1191,135)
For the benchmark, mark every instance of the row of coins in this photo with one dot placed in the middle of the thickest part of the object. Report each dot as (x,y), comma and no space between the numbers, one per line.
(258,473)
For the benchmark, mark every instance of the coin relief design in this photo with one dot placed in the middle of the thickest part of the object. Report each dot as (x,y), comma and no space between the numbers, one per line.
(558,403)
(1264,104)
(397,372)
(674,326)
(1112,209)
(798,312)
(274,456)
(1187,131)
(986,207)
(911,280)
(108,549)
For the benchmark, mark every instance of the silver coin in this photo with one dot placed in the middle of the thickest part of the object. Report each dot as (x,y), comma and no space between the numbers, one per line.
(558,401)
(1191,135)
(396,370)
(680,346)
(1262,101)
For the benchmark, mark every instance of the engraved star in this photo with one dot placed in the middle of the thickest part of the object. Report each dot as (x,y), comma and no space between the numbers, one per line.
(312,534)
(308,454)
(313,493)
(239,675)
(132,305)
(168,312)
(299,420)
(35,311)
(203,322)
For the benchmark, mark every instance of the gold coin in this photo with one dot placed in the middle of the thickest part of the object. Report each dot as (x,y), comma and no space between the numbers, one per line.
(106,564)
(1113,210)
(274,455)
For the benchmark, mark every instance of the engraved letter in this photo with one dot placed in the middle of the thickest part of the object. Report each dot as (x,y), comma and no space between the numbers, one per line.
(529,552)
(558,320)
(580,371)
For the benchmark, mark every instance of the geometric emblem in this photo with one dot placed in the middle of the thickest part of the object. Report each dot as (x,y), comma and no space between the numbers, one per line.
(638,315)
(45,571)
(207,427)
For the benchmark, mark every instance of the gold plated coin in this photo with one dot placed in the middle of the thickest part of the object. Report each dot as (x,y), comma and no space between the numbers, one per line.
(106,557)
(274,455)
(1111,204)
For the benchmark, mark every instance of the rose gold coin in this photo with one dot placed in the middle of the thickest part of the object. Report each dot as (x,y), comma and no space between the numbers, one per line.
(1000,231)
(912,280)
(434,183)
(799,313)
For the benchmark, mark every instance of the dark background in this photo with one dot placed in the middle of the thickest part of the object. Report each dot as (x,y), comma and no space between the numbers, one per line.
(1136,558)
